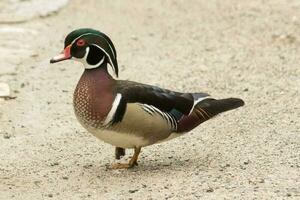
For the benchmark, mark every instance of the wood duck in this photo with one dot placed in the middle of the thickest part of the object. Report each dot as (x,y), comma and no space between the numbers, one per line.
(128,114)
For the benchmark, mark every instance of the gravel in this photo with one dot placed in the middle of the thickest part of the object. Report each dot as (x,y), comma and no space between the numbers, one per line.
(246,49)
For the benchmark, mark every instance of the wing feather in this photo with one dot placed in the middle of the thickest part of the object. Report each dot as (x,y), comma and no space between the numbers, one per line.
(165,100)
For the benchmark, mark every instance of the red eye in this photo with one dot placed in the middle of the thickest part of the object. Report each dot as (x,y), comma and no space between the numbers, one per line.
(80,42)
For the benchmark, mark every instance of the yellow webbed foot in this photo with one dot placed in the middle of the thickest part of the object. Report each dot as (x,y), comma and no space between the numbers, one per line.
(132,162)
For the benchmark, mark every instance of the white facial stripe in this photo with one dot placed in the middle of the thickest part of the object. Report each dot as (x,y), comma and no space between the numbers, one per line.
(87,50)
(110,61)
(85,63)
(96,35)
(113,110)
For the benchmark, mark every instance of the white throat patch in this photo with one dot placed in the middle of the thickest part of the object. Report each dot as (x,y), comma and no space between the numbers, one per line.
(85,63)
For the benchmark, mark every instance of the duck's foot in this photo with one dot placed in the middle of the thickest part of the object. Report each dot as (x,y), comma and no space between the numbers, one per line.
(132,162)
(121,166)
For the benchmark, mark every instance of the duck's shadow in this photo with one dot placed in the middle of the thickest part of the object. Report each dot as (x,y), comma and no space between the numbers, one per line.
(147,168)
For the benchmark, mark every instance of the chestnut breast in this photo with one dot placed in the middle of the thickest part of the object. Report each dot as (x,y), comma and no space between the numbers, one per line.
(93,97)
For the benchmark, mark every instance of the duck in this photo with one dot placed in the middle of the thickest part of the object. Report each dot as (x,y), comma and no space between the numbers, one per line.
(128,114)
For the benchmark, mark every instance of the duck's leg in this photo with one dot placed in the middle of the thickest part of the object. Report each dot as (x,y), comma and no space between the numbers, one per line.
(132,162)
(119,153)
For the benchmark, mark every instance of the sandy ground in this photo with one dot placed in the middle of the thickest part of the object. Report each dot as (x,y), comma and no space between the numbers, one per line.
(247,49)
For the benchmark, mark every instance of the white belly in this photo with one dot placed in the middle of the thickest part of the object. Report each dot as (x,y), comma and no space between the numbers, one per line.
(125,140)
(137,129)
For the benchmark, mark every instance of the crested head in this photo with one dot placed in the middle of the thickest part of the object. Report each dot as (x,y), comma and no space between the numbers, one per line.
(91,47)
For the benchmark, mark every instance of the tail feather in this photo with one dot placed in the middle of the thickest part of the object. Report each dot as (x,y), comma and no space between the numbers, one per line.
(206,109)
(214,107)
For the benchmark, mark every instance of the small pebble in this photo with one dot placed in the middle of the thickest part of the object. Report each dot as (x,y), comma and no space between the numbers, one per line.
(6,135)
(261,181)
(54,164)
(34,55)
(133,191)
(134,37)
(87,166)
(246,162)
(4,90)
(166,164)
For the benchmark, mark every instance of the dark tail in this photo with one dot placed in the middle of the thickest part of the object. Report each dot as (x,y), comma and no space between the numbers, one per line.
(212,107)
(205,110)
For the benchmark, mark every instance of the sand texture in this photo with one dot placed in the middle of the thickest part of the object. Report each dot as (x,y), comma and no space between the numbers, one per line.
(231,48)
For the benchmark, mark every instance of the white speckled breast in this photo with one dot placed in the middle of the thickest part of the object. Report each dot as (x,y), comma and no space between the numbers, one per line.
(93,98)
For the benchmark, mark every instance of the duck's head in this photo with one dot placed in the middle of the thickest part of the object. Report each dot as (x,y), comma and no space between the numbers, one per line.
(90,47)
